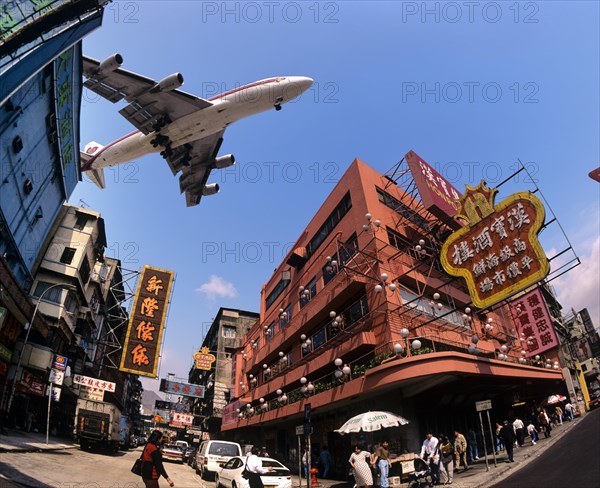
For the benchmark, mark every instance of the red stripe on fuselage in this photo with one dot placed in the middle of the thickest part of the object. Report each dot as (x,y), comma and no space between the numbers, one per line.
(88,165)
(235,90)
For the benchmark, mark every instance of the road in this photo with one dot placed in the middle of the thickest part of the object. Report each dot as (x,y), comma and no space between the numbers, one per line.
(74,468)
(572,462)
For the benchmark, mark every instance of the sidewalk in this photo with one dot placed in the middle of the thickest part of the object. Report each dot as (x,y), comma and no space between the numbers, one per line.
(477,475)
(13,440)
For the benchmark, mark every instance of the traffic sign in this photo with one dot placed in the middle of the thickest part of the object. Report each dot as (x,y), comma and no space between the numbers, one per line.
(483,405)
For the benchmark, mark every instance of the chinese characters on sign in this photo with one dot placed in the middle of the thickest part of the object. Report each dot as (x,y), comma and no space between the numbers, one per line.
(533,322)
(180,419)
(204,359)
(437,194)
(144,333)
(184,389)
(497,252)
(94,383)
(178,407)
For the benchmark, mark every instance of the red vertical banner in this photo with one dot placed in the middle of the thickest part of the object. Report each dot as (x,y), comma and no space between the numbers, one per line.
(533,323)
(141,349)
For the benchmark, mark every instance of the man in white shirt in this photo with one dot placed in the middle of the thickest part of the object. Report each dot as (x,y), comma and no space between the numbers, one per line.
(519,428)
(430,451)
(255,468)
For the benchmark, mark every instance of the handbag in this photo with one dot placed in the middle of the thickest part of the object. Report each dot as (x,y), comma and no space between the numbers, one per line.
(245,472)
(138,465)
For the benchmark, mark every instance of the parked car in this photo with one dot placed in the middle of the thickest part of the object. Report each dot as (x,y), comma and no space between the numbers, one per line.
(183,444)
(192,458)
(211,454)
(172,452)
(230,474)
(187,452)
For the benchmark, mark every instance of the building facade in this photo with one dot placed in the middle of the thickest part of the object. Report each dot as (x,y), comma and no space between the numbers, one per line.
(225,335)
(361,317)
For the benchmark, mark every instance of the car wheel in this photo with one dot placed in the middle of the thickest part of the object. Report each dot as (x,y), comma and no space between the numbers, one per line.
(217,482)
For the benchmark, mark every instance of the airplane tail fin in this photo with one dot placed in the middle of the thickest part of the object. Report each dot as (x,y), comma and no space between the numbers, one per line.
(96,175)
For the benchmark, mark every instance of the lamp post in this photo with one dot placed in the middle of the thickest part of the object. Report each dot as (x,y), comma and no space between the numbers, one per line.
(37,306)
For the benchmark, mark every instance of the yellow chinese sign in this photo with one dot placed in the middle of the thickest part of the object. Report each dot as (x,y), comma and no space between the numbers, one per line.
(497,252)
(146,323)
(204,359)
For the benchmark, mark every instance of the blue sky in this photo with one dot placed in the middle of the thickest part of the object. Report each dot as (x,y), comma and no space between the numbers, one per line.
(471,87)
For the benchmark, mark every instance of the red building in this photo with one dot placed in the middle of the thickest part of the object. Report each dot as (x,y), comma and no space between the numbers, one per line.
(360,317)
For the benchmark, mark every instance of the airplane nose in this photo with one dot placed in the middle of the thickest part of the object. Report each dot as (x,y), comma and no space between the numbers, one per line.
(302,82)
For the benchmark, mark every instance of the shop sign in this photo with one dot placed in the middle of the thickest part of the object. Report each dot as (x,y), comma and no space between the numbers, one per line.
(178,407)
(497,252)
(181,418)
(184,389)
(141,349)
(32,384)
(94,394)
(56,377)
(204,359)
(94,383)
(533,323)
(59,362)
(5,353)
(437,193)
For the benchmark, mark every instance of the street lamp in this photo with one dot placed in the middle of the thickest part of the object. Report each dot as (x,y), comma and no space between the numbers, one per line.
(37,306)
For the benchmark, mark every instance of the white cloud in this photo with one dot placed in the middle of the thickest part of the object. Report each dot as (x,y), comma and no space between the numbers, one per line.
(218,287)
(580,287)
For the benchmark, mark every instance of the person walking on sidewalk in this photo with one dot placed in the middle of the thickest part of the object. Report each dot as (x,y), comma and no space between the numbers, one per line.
(499,444)
(430,451)
(472,452)
(382,461)
(447,450)
(460,451)
(559,414)
(545,423)
(519,427)
(532,432)
(508,436)
(360,462)
(569,411)
(255,468)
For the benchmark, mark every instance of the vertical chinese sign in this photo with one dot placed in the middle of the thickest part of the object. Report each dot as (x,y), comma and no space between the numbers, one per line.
(533,322)
(497,252)
(144,333)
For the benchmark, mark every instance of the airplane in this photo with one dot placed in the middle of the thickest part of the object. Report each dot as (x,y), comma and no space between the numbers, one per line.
(186,130)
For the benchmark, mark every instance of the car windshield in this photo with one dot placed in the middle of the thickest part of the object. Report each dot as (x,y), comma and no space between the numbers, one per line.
(220,449)
(173,447)
(271,463)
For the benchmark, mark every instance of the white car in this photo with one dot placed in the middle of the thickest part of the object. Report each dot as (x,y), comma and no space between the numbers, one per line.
(230,474)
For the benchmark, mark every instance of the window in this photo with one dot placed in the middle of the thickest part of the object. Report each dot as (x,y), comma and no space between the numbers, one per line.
(285,316)
(270,331)
(329,224)
(94,303)
(278,290)
(319,339)
(67,255)
(402,209)
(80,222)
(346,252)
(228,332)
(84,271)
(398,240)
(54,295)
(309,292)
(256,343)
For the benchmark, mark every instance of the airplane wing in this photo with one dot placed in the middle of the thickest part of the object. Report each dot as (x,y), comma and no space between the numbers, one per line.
(199,156)
(149,106)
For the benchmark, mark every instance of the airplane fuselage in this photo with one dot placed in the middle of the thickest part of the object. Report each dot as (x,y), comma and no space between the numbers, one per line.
(226,108)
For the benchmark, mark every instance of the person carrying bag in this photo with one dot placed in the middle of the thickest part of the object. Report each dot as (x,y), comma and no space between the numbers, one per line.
(150,465)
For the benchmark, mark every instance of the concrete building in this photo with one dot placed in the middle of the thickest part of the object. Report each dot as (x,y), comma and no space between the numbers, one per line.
(225,335)
(361,317)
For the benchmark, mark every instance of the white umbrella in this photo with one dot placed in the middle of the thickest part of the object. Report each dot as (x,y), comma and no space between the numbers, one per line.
(371,421)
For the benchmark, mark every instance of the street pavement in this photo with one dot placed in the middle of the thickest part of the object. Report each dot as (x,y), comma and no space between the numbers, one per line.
(477,476)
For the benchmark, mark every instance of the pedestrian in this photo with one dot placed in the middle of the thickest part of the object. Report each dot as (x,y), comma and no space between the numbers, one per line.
(460,451)
(325,459)
(254,469)
(472,453)
(559,414)
(532,432)
(305,463)
(152,467)
(545,423)
(508,437)
(499,443)
(381,459)
(360,463)
(29,419)
(519,427)
(569,411)
(430,451)
(447,458)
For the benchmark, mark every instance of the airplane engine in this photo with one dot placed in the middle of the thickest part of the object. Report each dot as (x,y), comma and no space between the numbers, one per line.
(210,189)
(111,63)
(224,161)
(169,83)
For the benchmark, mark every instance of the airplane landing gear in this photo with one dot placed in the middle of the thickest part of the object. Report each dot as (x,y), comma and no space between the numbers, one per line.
(160,140)
(277,107)
(160,123)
